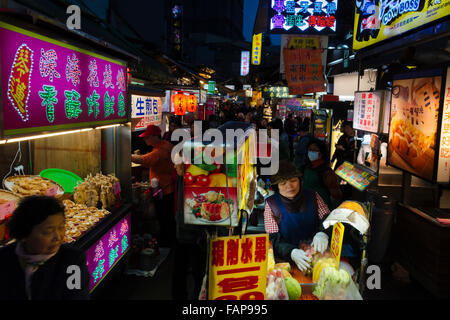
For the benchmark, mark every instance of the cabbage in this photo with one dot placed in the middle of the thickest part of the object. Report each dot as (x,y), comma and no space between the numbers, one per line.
(344,277)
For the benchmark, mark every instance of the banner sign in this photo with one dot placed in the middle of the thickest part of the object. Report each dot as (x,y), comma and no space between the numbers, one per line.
(238,267)
(211,87)
(245,63)
(145,110)
(303,17)
(366,110)
(303,69)
(256,49)
(413,126)
(379,20)
(50,85)
(444,148)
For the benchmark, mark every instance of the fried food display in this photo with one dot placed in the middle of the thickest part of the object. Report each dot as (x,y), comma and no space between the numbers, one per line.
(30,185)
(96,188)
(80,218)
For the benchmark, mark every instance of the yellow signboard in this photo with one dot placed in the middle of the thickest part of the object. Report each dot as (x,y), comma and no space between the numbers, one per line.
(238,267)
(376,21)
(256,49)
(304,43)
(336,242)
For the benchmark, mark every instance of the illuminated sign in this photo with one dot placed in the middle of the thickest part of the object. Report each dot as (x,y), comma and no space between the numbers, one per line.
(276,92)
(444,148)
(238,267)
(336,242)
(145,110)
(366,110)
(378,20)
(303,17)
(256,48)
(357,176)
(245,63)
(50,85)
(106,252)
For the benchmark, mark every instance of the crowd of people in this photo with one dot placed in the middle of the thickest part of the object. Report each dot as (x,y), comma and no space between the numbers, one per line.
(305,188)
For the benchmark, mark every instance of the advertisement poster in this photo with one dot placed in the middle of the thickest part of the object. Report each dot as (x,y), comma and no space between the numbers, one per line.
(303,17)
(444,148)
(366,110)
(238,267)
(413,125)
(303,69)
(210,190)
(145,110)
(378,20)
(50,85)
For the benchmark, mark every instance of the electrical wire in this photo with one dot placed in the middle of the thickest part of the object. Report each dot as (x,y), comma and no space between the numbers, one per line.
(18,152)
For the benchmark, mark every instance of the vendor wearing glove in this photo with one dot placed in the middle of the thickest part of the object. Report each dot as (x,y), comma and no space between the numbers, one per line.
(293,215)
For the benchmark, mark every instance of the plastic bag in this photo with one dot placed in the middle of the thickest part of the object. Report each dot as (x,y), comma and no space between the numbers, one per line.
(276,288)
(336,285)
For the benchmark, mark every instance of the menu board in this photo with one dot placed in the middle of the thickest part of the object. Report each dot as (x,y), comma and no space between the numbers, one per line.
(443,175)
(414,118)
(357,176)
(366,111)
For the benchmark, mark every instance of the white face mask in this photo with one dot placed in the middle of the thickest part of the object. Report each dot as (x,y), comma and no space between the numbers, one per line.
(313,155)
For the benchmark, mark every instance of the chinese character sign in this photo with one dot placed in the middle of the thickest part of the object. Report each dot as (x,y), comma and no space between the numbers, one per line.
(336,241)
(238,267)
(303,69)
(256,48)
(145,110)
(245,63)
(366,110)
(303,17)
(102,256)
(444,148)
(50,85)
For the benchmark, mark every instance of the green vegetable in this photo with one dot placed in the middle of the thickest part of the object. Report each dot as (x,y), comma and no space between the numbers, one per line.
(207,167)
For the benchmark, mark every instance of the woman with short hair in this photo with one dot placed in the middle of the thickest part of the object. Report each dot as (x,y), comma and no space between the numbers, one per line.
(36,265)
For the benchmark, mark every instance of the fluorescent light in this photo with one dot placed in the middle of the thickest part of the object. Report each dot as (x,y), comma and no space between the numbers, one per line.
(41,136)
(108,126)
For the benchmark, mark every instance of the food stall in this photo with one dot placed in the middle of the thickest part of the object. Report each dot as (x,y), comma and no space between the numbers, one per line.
(64,103)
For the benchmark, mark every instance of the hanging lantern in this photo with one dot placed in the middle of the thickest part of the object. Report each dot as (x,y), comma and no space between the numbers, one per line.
(191,103)
(179,104)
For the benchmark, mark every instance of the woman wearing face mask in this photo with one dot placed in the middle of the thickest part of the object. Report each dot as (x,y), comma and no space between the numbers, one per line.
(294,215)
(319,176)
(36,265)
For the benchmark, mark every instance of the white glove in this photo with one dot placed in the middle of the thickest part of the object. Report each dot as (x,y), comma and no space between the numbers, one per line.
(301,259)
(320,242)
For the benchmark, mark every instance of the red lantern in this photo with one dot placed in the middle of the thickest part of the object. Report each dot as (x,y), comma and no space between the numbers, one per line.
(179,104)
(191,103)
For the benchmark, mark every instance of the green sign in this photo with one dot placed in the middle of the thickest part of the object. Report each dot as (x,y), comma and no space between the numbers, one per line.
(211,87)
(276,92)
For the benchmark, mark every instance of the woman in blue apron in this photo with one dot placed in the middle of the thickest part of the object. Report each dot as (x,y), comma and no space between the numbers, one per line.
(294,215)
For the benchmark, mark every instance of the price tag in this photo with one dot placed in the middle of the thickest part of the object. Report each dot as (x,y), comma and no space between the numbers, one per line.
(52,192)
(336,242)
(117,188)
(7,209)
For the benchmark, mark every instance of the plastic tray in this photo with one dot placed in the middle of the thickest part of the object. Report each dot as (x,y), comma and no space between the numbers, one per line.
(68,180)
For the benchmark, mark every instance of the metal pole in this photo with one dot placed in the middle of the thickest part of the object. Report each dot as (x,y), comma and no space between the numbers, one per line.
(364,260)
